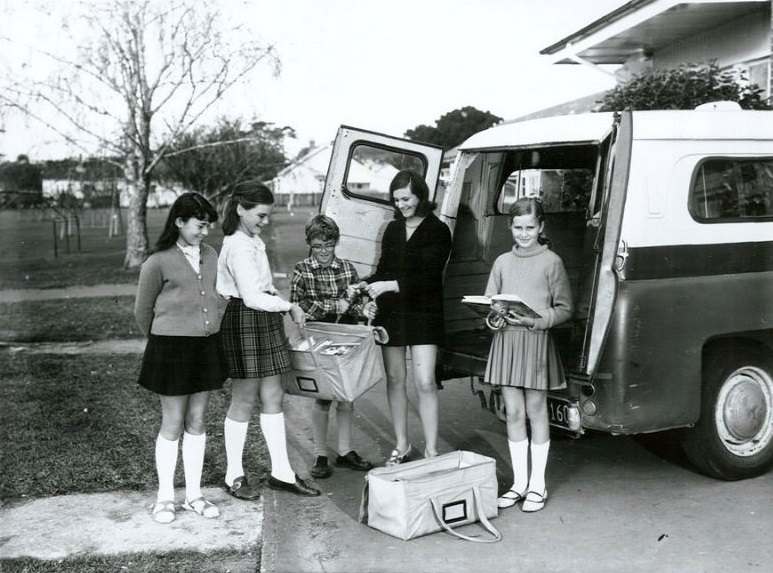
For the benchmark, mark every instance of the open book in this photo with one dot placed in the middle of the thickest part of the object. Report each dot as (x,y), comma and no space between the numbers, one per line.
(511,302)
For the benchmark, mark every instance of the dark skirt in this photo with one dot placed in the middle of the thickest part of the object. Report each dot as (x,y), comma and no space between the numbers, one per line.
(254,342)
(182,365)
(412,328)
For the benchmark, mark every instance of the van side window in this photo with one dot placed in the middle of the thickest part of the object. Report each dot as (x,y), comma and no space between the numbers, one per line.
(732,190)
(370,170)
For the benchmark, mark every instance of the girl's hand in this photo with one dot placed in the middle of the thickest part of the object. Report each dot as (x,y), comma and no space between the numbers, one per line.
(378,288)
(370,310)
(520,320)
(298,316)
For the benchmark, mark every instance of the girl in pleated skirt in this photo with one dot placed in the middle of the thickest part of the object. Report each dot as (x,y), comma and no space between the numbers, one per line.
(523,361)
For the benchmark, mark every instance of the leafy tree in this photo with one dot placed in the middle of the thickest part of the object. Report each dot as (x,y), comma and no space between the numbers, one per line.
(21,175)
(684,87)
(454,127)
(211,161)
(143,75)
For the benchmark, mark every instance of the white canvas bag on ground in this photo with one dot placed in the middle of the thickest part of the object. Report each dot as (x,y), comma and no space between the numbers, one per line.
(425,496)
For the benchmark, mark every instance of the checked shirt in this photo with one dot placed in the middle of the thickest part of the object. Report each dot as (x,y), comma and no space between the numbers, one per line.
(320,291)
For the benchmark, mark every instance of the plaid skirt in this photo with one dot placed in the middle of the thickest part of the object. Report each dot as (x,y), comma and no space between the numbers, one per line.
(254,342)
(524,358)
(182,365)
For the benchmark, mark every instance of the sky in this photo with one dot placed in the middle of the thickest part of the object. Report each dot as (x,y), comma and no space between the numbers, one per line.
(386,66)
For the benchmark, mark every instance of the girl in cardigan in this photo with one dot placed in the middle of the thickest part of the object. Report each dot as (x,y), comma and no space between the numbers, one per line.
(522,359)
(256,349)
(176,308)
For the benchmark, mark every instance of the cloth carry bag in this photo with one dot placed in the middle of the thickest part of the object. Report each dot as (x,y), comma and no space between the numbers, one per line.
(441,493)
(332,361)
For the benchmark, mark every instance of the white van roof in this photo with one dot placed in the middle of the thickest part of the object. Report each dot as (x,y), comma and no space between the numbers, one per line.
(594,127)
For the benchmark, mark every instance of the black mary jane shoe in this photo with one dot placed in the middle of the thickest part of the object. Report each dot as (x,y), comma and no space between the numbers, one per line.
(352,460)
(240,489)
(299,487)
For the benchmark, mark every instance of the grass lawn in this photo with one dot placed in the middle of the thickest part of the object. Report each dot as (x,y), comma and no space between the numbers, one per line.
(27,254)
(176,561)
(74,320)
(82,424)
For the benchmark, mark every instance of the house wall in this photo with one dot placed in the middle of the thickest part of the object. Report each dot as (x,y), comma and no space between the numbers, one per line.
(737,41)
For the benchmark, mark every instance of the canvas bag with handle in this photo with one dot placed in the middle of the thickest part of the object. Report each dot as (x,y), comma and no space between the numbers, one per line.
(433,494)
(341,378)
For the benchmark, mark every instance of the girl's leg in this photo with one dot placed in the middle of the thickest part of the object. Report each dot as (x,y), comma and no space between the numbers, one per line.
(344,412)
(320,419)
(244,396)
(272,424)
(395,366)
(172,423)
(537,410)
(424,358)
(194,444)
(517,441)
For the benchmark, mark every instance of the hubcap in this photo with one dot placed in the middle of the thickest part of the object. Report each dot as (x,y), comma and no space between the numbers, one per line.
(744,411)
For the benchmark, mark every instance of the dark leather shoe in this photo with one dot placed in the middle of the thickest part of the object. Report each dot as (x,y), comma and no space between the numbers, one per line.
(352,460)
(321,470)
(298,488)
(241,489)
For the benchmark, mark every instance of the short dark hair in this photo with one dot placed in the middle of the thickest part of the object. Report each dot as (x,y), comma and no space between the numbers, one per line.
(418,186)
(322,227)
(186,206)
(248,194)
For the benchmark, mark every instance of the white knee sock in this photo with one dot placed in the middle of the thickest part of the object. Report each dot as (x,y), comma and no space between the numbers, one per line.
(234,434)
(166,462)
(519,456)
(344,412)
(320,418)
(539,460)
(273,427)
(193,463)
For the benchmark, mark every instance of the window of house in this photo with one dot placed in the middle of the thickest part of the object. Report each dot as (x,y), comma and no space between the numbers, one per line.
(732,190)
(371,169)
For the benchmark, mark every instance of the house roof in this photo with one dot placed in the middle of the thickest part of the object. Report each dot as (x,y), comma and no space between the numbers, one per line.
(643,26)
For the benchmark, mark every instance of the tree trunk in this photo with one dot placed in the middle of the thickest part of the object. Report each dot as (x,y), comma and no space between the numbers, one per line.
(136,229)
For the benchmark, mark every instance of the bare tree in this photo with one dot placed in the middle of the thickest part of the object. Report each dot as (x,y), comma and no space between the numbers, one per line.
(143,74)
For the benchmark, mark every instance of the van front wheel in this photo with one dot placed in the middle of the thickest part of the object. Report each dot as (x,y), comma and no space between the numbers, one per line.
(733,438)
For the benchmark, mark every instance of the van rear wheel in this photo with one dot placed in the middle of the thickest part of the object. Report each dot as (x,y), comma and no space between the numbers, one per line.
(733,438)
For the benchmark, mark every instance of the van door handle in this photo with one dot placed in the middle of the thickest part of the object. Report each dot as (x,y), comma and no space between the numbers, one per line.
(622,256)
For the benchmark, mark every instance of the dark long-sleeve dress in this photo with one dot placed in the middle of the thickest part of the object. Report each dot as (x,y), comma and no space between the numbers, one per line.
(415,314)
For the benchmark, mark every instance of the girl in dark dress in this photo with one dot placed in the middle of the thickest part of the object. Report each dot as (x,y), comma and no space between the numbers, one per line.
(408,288)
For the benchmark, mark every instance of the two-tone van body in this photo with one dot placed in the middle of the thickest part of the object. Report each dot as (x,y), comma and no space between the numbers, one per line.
(664,221)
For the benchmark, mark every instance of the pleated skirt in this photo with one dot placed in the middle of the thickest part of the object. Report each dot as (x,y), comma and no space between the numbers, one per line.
(524,358)
(182,365)
(254,342)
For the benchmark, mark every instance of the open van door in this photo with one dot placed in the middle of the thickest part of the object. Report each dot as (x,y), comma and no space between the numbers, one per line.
(610,254)
(356,193)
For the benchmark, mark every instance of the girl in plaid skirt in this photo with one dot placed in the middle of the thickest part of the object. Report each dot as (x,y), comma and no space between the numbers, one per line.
(254,341)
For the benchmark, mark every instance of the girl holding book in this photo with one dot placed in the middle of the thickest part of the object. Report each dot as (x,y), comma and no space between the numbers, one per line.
(523,360)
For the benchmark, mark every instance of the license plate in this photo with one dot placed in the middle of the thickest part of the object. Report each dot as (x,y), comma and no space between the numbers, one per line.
(558,411)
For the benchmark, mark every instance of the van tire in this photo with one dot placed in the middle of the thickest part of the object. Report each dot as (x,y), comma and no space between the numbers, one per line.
(733,438)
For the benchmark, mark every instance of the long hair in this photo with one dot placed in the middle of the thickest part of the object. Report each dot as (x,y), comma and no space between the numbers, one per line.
(418,186)
(186,206)
(529,206)
(248,194)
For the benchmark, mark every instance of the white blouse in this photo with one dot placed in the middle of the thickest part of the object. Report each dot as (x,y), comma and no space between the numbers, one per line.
(243,272)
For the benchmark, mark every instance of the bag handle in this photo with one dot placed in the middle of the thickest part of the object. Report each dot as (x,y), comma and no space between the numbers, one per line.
(311,347)
(483,519)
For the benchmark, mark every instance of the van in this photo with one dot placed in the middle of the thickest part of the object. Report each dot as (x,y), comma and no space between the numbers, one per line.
(664,221)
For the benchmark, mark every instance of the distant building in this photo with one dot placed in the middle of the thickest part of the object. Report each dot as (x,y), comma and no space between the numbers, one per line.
(301,183)
(101,191)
